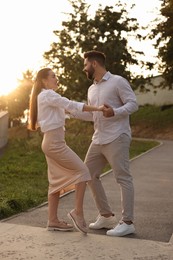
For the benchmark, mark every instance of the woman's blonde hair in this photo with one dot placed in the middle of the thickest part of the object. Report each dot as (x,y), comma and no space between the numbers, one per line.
(37,87)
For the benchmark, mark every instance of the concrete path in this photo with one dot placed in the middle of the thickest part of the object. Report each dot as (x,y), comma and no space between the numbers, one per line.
(25,237)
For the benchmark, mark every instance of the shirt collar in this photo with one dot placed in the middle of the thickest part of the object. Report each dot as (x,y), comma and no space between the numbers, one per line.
(105,77)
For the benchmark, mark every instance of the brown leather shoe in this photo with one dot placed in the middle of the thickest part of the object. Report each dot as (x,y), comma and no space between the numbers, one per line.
(78,222)
(60,226)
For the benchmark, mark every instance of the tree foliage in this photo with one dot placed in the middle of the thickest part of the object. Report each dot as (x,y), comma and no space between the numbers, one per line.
(107,31)
(163,33)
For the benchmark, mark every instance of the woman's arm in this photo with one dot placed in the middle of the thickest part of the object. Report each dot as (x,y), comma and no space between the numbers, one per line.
(92,108)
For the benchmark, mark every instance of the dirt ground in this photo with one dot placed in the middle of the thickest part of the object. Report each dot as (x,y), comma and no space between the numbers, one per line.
(137,131)
(148,132)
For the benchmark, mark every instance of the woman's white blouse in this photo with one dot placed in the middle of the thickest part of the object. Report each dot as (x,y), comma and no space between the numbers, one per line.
(51,109)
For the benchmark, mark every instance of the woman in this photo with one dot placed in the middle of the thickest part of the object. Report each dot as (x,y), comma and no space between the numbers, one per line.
(47,111)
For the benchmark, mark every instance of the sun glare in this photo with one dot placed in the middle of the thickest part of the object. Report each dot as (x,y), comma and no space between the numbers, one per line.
(7,85)
(25,36)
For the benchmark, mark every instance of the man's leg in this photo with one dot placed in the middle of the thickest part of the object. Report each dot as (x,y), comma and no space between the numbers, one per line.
(117,153)
(95,161)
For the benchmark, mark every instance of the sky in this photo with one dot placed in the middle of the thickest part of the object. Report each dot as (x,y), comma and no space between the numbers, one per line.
(27,26)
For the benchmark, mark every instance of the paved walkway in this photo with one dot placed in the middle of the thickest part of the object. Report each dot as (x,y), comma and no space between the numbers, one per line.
(25,237)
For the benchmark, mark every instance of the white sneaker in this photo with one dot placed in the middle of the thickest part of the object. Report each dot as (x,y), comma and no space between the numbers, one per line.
(122,229)
(103,222)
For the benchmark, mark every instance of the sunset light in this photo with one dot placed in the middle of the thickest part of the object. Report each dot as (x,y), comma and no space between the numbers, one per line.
(27,32)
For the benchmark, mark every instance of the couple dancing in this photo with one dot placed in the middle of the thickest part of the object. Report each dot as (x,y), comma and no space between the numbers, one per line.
(110,102)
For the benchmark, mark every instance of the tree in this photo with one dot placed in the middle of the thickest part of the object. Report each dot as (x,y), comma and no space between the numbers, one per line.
(3,103)
(18,100)
(107,31)
(163,33)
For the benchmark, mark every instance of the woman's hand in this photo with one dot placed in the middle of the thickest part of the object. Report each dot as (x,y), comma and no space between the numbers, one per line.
(101,108)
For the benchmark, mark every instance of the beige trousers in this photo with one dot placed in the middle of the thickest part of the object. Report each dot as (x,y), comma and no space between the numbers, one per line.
(116,154)
(64,166)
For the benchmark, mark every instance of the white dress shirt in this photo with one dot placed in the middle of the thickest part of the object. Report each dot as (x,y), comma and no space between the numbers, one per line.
(115,91)
(51,109)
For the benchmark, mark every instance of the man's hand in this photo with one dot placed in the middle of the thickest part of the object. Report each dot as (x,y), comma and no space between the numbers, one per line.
(108,111)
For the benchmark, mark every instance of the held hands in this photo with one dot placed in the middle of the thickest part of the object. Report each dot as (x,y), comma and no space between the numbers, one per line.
(107,110)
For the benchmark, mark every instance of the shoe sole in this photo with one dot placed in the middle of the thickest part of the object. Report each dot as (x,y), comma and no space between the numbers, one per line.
(75,224)
(121,234)
(59,229)
(107,227)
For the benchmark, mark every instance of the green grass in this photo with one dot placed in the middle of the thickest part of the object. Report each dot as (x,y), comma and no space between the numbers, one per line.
(23,169)
(23,177)
(139,147)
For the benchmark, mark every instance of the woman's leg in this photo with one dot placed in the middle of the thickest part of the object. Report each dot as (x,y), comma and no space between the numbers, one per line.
(77,214)
(53,201)
(53,222)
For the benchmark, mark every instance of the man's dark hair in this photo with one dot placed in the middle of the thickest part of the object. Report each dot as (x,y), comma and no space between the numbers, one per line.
(100,57)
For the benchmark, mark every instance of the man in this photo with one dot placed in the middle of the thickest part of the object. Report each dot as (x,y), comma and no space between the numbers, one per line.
(110,141)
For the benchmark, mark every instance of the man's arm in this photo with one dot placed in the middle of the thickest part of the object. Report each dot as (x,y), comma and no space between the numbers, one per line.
(128,98)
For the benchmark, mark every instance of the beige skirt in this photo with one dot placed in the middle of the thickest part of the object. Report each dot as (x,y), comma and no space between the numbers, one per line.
(64,166)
